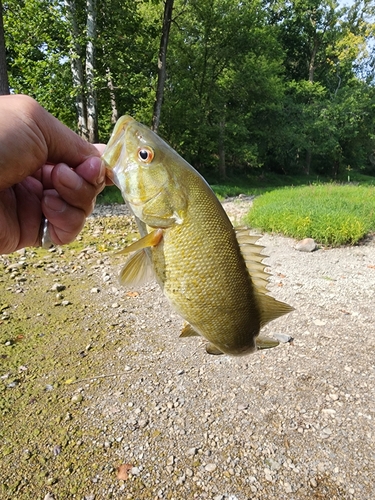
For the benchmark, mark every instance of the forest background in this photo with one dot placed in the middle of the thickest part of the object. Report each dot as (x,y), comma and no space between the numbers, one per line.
(236,87)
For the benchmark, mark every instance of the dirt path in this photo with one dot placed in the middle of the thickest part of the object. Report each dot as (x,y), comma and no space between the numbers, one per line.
(94,376)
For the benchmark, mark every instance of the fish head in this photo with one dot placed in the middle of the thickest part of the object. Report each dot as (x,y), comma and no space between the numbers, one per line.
(145,169)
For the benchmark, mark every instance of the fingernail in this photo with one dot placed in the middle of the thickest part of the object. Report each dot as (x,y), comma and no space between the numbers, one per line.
(55,203)
(101,176)
(69,178)
(98,164)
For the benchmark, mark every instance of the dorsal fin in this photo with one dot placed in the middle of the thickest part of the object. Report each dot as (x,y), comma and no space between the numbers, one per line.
(253,258)
(270,308)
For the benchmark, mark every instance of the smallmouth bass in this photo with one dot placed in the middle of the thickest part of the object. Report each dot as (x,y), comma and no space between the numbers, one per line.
(211,272)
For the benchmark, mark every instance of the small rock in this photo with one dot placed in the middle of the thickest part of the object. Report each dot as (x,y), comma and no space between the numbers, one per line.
(210,467)
(142,423)
(319,322)
(242,406)
(287,487)
(306,245)
(170,460)
(56,450)
(77,398)
(313,482)
(135,471)
(282,337)
(191,452)
(49,496)
(95,290)
(58,287)
(65,303)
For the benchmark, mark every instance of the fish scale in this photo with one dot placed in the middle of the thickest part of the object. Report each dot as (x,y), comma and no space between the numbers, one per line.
(210,272)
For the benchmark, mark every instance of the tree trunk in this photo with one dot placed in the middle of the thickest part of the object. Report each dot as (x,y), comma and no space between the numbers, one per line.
(312,60)
(162,70)
(4,84)
(222,165)
(91,102)
(308,162)
(112,96)
(77,68)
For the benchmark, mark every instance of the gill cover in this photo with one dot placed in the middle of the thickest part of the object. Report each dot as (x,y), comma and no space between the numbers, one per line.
(141,164)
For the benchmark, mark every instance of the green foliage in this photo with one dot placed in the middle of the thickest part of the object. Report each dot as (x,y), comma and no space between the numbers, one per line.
(110,195)
(331,214)
(253,87)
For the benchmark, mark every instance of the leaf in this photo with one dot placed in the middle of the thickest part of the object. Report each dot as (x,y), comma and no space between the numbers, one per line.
(70,381)
(123,471)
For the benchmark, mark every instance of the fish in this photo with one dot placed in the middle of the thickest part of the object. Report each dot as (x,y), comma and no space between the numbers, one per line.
(211,272)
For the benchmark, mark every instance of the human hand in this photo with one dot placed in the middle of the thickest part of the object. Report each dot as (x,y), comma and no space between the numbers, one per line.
(45,170)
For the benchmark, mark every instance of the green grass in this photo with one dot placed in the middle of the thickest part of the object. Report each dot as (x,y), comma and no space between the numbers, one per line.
(332,214)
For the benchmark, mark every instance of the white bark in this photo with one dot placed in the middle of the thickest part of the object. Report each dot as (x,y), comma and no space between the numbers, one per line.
(91,102)
(76,67)
(112,96)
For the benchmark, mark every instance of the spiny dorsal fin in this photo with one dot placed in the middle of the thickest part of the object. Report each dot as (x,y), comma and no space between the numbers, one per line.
(137,270)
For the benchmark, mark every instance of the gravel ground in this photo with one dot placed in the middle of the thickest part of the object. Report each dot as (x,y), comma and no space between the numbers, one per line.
(294,422)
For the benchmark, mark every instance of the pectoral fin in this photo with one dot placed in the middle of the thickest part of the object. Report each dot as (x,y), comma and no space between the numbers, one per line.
(137,270)
(265,343)
(150,240)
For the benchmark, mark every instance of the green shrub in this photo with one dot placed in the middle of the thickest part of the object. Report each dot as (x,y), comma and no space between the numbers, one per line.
(332,214)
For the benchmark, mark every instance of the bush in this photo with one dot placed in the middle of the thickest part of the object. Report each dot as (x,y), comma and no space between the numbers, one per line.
(330,213)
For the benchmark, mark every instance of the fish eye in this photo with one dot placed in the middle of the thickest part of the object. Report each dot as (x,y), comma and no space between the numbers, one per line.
(145,155)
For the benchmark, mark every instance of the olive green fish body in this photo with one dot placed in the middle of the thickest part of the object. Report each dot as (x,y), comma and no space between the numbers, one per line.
(211,272)
(203,274)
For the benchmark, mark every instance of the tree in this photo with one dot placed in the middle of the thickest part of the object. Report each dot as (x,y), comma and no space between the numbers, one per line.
(223,70)
(4,84)
(162,61)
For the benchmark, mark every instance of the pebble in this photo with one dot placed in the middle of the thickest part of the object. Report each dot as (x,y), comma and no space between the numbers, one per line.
(306,245)
(319,322)
(210,467)
(287,487)
(282,337)
(58,287)
(77,398)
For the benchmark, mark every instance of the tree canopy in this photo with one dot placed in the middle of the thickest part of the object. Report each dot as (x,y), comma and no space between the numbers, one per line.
(257,85)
